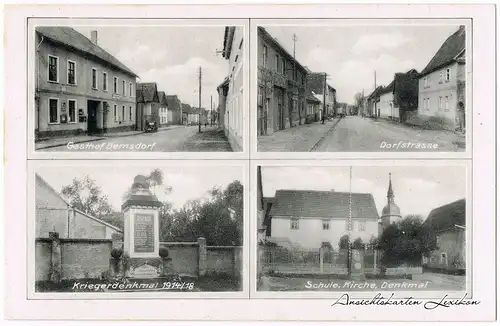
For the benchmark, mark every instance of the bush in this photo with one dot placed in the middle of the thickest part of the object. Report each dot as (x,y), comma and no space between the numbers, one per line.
(429,123)
(163,252)
(358,244)
(116,253)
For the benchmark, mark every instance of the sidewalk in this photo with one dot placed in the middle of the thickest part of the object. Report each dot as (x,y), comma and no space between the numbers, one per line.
(61,141)
(454,139)
(302,138)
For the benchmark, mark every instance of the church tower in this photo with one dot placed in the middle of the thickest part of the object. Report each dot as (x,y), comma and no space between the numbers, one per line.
(391,212)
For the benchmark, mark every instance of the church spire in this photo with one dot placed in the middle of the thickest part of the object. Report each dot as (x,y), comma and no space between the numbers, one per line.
(390,192)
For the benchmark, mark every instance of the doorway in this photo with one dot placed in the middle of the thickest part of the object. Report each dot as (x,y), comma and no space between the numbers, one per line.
(92,127)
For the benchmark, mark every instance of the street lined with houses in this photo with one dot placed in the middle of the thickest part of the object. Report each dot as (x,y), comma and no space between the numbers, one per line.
(423,110)
(85,94)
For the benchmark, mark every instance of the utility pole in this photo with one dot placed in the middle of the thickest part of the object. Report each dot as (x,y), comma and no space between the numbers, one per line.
(324,102)
(211,111)
(199,100)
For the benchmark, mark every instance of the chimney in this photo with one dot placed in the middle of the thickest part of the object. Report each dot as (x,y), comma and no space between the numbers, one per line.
(93,37)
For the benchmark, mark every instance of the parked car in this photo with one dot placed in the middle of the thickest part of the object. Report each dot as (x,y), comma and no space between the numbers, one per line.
(151,125)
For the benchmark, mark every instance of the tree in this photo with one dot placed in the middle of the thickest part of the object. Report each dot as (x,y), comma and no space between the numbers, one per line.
(406,241)
(344,242)
(219,219)
(87,196)
(358,244)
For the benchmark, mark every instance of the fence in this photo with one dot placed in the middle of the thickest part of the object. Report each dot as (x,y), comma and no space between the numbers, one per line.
(300,261)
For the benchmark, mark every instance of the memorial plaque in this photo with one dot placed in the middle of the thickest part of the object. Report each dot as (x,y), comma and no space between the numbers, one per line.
(145,271)
(144,233)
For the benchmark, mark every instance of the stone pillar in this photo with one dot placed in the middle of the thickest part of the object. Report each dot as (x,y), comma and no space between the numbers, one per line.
(321,259)
(202,256)
(55,272)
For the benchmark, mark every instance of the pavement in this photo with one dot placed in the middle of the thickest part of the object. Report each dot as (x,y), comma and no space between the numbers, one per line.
(357,134)
(169,139)
(302,138)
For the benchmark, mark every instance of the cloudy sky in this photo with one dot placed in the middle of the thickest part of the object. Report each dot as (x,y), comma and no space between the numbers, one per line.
(417,189)
(187,182)
(351,54)
(169,56)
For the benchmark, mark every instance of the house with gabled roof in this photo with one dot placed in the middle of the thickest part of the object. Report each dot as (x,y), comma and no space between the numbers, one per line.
(55,214)
(79,86)
(400,96)
(309,219)
(317,84)
(442,83)
(148,104)
(174,109)
(447,226)
(163,108)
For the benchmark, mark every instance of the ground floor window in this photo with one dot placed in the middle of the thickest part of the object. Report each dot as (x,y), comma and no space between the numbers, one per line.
(72,111)
(444,259)
(130,114)
(115,112)
(123,113)
(53,110)
(294,224)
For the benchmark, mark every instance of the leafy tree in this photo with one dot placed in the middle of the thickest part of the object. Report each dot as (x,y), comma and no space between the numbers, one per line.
(406,241)
(358,244)
(344,242)
(87,196)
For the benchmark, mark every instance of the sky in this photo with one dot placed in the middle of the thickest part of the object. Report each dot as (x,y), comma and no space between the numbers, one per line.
(417,189)
(169,56)
(187,183)
(351,54)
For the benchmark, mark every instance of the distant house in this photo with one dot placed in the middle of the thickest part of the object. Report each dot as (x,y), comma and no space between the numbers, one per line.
(80,87)
(148,103)
(316,83)
(442,83)
(400,96)
(309,219)
(163,109)
(191,115)
(54,214)
(313,110)
(373,102)
(447,224)
(174,110)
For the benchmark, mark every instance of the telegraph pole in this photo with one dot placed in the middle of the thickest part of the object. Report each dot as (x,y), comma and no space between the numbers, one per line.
(199,100)
(211,111)
(324,101)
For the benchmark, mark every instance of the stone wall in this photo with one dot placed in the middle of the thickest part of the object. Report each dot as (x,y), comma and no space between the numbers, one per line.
(71,259)
(224,259)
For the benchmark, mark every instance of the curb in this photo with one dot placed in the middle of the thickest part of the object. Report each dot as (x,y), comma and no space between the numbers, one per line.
(111,136)
(324,136)
(75,142)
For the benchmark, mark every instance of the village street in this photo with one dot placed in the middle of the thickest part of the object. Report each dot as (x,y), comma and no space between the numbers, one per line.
(354,133)
(358,134)
(173,139)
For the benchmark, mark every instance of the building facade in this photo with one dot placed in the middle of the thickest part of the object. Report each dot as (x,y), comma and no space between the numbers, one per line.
(80,88)
(442,83)
(231,92)
(163,109)
(447,224)
(317,84)
(54,214)
(174,110)
(314,110)
(148,105)
(309,219)
(281,90)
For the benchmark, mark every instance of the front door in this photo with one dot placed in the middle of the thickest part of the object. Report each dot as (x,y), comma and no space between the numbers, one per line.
(92,117)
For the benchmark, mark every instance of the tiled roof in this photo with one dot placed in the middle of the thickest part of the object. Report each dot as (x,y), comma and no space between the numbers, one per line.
(311,98)
(388,89)
(375,92)
(173,102)
(447,53)
(327,204)
(146,92)
(315,82)
(70,37)
(162,98)
(447,216)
